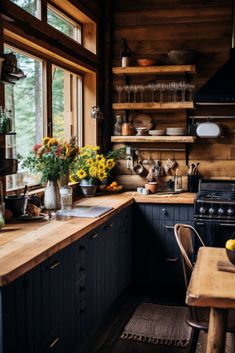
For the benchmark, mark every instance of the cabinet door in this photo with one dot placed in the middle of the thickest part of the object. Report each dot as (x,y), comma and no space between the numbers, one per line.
(21,314)
(124,250)
(95,277)
(157,263)
(56,306)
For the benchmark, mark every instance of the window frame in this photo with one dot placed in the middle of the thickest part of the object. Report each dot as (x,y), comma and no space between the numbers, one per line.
(76,58)
(68,18)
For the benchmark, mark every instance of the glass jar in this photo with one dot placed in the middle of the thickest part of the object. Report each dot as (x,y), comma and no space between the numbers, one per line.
(117,131)
(2,221)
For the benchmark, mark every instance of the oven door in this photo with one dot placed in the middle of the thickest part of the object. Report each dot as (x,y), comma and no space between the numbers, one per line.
(215,232)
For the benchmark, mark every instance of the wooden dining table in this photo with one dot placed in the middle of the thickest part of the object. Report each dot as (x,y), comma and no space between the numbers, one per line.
(212,285)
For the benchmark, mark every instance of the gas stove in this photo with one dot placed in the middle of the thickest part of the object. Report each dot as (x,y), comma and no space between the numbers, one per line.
(215,201)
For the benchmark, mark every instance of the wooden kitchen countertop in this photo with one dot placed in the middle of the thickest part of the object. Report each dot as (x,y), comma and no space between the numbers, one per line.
(181,198)
(24,245)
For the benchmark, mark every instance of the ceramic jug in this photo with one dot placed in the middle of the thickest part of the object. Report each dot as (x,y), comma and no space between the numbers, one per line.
(96,112)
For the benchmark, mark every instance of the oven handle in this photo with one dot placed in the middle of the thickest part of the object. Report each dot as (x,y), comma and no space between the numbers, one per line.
(227,224)
(220,224)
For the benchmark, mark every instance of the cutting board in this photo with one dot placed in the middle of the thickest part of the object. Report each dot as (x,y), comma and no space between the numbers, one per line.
(89,211)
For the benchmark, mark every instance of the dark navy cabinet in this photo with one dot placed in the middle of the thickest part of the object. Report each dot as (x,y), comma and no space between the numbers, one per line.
(157,266)
(59,304)
(36,309)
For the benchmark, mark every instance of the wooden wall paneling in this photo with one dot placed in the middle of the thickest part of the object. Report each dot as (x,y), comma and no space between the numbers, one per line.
(152,28)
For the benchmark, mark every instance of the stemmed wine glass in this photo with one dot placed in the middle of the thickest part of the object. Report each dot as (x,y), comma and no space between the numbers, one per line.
(141,89)
(190,88)
(119,89)
(182,87)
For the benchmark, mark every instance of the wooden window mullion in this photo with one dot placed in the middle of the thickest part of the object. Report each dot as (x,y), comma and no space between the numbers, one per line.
(49,98)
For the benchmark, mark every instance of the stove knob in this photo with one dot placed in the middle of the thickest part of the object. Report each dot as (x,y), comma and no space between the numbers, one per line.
(202,210)
(230,211)
(211,211)
(221,211)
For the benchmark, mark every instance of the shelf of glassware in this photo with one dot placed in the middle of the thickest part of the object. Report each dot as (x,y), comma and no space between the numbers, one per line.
(142,139)
(157,70)
(153,105)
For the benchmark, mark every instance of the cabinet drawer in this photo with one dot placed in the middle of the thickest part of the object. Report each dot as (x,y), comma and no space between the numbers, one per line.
(124,217)
(174,212)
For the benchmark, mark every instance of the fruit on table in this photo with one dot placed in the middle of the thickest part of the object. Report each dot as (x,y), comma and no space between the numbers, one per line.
(113,186)
(230,244)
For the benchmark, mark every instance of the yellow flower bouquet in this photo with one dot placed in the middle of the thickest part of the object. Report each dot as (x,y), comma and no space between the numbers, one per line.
(92,165)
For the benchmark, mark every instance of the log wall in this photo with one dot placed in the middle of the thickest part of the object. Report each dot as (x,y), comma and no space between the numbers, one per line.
(154,27)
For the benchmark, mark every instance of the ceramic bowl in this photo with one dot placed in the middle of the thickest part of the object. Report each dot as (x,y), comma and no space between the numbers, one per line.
(146,62)
(231,255)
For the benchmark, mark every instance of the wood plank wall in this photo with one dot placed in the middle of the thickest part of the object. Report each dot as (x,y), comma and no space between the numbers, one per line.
(154,27)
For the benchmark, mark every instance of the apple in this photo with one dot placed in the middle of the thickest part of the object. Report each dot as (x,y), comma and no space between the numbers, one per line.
(230,244)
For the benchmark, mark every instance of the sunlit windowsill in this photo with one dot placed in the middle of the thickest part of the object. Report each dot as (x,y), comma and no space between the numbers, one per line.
(36,189)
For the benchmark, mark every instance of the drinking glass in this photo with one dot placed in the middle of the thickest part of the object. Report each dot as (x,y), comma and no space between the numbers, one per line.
(66,199)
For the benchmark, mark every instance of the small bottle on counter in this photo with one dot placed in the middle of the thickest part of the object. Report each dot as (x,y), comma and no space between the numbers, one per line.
(117,131)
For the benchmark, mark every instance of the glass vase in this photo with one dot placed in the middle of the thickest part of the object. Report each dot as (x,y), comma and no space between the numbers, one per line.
(52,195)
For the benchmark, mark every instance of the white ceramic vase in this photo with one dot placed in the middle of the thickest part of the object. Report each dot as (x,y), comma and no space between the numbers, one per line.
(52,195)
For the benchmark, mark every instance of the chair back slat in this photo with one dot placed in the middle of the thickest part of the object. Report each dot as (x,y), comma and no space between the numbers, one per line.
(184,234)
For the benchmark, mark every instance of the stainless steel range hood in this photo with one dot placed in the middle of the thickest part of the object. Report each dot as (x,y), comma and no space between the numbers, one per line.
(220,88)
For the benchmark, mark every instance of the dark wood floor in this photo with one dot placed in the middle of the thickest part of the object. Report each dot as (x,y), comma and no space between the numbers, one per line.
(107,340)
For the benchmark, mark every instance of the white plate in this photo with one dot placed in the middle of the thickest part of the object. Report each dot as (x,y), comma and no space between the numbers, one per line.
(27,217)
(174,129)
(157,132)
(176,133)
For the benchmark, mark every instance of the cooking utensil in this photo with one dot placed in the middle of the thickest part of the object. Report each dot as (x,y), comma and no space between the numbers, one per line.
(138,168)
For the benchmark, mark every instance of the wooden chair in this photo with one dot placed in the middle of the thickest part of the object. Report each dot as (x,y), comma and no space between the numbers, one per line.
(188,241)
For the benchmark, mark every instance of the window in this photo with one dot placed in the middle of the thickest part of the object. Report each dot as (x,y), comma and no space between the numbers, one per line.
(66,103)
(31,6)
(63,23)
(56,97)
(25,100)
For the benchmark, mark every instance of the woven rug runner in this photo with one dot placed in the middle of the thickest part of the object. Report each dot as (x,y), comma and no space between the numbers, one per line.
(158,324)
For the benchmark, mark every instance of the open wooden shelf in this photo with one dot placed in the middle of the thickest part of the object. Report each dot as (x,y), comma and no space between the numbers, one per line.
(158,70)
(150,105)
(177,139)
